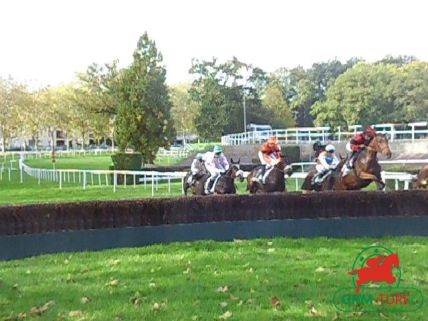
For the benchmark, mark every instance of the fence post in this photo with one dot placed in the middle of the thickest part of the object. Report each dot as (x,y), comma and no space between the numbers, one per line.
(153,184)
(84,180)
(114,181)
(60,180)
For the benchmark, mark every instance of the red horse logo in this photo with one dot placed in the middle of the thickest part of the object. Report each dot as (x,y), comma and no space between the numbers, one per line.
(379,270)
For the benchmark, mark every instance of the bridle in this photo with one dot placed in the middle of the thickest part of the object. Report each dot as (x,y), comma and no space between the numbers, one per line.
(376,148)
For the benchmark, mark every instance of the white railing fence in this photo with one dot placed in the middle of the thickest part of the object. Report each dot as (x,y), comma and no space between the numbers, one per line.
(86,178)
(311,134)
(173,152)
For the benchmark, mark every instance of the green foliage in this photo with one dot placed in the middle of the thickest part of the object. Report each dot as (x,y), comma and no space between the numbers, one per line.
(376,93)
(184,109)
(143,121)
(127,161)
(13,96)
(219,93)
(274,100)
(292,153)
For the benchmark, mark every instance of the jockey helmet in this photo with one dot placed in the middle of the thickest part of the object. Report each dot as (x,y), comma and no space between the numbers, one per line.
(217,149)
(330,148)
(199,156)
(369,131)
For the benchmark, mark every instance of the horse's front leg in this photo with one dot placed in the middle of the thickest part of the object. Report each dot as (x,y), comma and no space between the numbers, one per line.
(378,180)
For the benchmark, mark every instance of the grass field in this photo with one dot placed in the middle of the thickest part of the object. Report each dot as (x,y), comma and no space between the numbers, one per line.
(264,279)
(31,191)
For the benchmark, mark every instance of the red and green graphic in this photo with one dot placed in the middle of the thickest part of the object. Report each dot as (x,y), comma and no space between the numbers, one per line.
(376,287)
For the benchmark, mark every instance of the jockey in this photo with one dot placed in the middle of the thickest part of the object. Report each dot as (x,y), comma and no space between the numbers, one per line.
(358,143)
(269,154)
(216,164)
(318,148)
(326,162)
(197,168)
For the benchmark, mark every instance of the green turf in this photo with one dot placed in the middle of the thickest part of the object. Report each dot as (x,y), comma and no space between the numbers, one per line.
(202,281)
(48,192)
(88,162)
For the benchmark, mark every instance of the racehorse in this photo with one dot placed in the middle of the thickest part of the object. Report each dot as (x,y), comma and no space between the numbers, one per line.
(366,167)
(275,181)
(421,180)
(224,184)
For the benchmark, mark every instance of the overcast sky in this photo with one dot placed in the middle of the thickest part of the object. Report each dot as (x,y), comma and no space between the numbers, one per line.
(48,41)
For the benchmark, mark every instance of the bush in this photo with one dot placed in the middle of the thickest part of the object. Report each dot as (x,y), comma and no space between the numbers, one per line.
(126,161)
(292,153)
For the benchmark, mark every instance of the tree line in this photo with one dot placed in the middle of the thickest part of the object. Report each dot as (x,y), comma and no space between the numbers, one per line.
(134,107)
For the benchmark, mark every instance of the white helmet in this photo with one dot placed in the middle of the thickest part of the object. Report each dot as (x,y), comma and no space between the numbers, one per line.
(330,148)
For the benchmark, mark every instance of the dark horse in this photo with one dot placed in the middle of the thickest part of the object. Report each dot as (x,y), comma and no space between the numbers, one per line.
(225,183)
(275,181)
(366,167)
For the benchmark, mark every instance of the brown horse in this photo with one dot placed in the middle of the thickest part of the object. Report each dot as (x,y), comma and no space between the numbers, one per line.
(366,167)
(275,181)
(421,180)
(225,183)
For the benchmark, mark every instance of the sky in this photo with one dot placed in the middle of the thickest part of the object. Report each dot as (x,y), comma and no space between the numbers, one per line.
(46,42)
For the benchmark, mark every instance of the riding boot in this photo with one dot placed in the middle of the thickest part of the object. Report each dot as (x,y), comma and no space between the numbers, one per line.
(209,186)
(259,174)
(190,180)
(352,159)
(319,177)
(315,179)
(266,173)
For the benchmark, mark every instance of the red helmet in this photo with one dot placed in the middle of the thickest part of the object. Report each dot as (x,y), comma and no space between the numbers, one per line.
(369,131)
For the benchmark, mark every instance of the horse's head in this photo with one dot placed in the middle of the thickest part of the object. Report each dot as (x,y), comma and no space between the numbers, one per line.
(393,258)
(380,144)
(282,166)
(235,169)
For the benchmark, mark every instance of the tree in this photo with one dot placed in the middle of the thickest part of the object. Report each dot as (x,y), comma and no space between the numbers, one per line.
(143,121)
(398,60)
(54,111)
(13,97)
(219,91)
(362,95)
(184,109)
(274,100)
(411,88)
